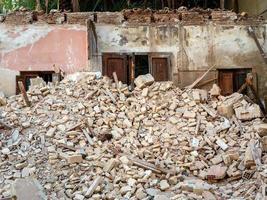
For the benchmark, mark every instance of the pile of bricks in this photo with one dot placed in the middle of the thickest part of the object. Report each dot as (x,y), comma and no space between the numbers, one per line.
(92,138)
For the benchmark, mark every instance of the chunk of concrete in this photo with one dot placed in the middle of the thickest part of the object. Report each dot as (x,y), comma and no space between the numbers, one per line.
(143,81)
(248,112)
(248,159)
(226,108)
(28,188)
(215,90)
(261,129)
(216,172)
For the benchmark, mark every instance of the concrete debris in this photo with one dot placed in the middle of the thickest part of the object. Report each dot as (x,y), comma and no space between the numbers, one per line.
(226,107)
(2,99)
(261,129)
(215,90)
(28,188)
(144,81)
(89,138)
(245,111)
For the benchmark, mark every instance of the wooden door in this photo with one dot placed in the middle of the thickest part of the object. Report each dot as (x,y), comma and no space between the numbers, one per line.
(160,68)
(226,82)
(115,63)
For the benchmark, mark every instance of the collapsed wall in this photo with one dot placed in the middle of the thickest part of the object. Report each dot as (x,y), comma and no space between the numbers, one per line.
(93,138)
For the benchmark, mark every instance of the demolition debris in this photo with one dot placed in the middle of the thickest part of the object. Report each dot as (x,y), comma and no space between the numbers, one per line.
(93,138)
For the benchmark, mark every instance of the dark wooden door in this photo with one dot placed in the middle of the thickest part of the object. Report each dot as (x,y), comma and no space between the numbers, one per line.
(226,82)
(160,69)
(116,63)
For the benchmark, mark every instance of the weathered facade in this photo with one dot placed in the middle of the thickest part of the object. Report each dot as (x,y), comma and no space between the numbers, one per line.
(190,42)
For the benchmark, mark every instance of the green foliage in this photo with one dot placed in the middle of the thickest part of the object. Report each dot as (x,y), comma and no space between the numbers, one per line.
(8,5)
(52,4)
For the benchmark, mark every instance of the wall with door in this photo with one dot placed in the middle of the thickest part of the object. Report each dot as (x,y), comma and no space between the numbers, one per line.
(38,47)
(193,48)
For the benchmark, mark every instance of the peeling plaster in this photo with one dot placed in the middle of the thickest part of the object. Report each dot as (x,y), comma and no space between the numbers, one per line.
(39,47)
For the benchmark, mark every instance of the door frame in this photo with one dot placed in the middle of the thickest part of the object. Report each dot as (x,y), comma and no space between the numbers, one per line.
(115,55)
(130,55)
(160,55)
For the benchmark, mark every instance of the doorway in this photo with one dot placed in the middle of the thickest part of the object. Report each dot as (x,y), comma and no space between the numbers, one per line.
(128,66)
(231,80)
(26,76)
(141,65)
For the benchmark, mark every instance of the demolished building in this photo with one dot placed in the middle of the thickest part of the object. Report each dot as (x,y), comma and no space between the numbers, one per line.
(171,45)
(93,137)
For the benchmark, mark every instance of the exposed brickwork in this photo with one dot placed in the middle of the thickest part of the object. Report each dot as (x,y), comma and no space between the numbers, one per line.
(191,16)
(166,16)
(56,18)
(79,17)
(18,18)
(110,17)
(138,16)
(223,16)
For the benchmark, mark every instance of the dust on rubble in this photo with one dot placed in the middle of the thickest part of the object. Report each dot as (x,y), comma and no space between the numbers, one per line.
(93,138)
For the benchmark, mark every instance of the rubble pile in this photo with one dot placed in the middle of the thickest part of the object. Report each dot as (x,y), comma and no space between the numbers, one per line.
(89,138)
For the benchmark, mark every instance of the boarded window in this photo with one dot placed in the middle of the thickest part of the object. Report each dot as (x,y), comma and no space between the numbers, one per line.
(113,62)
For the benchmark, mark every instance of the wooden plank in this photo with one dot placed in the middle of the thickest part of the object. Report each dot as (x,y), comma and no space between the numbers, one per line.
(92,187)
(206,82)
(74,127)
(210,111)
(199,79)
(251,32)
(147,165)
(89,139)
(24,94)
(115,77)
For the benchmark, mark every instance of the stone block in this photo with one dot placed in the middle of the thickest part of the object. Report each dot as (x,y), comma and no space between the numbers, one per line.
(248,159)
(188,114)
(75,158)
(215,90)
(226,108)
(261,129)
(216,172)
(28,188)
(143,81)
(248,112)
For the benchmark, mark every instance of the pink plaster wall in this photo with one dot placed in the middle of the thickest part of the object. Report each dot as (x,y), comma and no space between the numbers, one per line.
(64,46)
